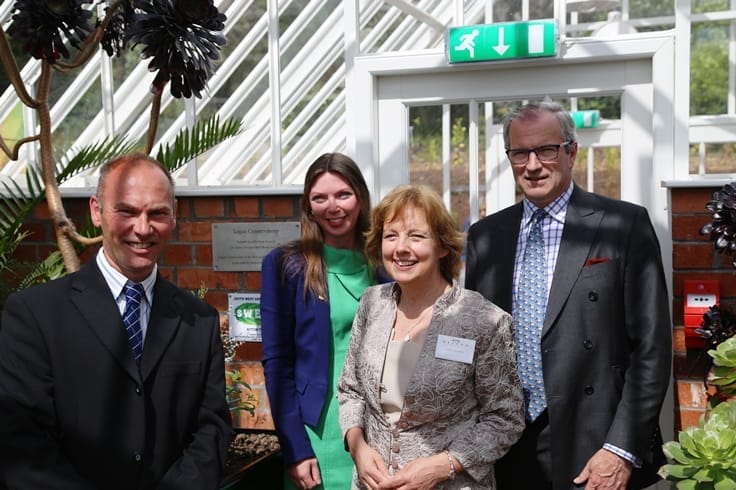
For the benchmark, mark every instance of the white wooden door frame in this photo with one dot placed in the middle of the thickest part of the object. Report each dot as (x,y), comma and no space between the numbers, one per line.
(640,69)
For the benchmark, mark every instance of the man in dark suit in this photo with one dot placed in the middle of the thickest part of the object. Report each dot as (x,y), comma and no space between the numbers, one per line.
(600,349)
(80,406)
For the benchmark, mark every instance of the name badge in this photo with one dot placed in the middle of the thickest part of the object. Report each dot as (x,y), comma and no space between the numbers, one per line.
(455,349)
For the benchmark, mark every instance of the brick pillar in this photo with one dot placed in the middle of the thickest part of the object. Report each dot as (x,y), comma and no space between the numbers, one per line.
(694,257)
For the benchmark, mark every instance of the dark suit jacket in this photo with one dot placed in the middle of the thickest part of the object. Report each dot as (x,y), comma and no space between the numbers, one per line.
(606,340)
(296,354)
(76,411)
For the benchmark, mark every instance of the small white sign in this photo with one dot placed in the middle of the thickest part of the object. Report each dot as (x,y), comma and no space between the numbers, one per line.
(244,316)
(455,349)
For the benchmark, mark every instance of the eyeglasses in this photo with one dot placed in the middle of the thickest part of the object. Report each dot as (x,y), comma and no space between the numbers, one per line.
(545,153)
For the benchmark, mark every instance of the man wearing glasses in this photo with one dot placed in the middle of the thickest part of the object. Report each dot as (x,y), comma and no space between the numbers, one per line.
(582,275)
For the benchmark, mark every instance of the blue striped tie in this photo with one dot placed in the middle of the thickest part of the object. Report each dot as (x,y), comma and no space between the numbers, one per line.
(132,319)
(529,310)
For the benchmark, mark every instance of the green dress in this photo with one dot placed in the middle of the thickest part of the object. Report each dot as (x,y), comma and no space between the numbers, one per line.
(347,276)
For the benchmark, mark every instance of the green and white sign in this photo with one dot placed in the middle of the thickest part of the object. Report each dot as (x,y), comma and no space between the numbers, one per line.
(502,41)
(244,316)
(586,119)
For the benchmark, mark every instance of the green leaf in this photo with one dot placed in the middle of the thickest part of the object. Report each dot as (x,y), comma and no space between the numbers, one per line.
(676,471)
(687,485)
(91,156)
(191,143)
(724,483)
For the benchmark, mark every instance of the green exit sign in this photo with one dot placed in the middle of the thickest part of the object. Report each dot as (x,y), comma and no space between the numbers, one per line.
(586,119)
(503,41)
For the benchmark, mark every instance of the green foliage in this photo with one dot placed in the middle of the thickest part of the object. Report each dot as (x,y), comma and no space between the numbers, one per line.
(709,77)
(190,143)
(239,394)
(610,106)
(723,374)
(51,268)
(16,205)
(458,137)
(705,456)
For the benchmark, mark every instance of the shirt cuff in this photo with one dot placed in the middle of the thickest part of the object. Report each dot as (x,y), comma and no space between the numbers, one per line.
(635,462)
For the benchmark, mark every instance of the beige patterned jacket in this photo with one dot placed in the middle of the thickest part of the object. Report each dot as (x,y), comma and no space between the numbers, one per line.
(473,410)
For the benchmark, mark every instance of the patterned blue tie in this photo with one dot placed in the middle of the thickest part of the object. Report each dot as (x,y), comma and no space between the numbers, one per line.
(530,307)
(132,318)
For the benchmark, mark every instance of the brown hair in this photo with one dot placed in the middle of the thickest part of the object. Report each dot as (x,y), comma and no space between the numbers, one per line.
(311,244)
(441,225)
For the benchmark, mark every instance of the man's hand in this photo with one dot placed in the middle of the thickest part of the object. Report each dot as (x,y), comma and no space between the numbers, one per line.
(605,470)
(305,474)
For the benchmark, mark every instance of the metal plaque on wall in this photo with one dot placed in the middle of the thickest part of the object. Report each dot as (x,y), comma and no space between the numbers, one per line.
(242,246)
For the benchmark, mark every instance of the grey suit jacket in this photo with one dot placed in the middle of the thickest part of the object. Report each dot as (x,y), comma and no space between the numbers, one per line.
(606,340)
(76,411)
(475,410)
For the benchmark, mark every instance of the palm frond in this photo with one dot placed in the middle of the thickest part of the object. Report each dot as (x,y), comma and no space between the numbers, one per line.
(15,207)
(51,268)
(190,143)
(91,156)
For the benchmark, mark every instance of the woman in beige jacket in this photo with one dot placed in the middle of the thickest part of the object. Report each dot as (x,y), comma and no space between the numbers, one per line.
(429,396)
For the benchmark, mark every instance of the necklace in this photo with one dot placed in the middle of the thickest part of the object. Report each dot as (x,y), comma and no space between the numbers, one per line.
(417,322)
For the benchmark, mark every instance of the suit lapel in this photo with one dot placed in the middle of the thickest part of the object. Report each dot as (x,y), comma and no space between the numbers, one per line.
(581,226)
(499,285)
(92,297)
(162,324)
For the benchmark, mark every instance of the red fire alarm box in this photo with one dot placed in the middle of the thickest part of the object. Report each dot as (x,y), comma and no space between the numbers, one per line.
(699,296)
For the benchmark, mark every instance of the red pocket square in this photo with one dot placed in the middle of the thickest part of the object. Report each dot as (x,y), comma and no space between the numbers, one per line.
(596,260)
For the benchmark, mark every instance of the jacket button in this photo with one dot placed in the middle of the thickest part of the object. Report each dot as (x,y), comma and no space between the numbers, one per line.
(403,425)
(137,390)
(588,344)
(589,390)
(395,447)
(138,457)
(593,296)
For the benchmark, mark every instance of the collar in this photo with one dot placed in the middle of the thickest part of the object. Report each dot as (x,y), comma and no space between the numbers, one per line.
(557,209)
(115,280)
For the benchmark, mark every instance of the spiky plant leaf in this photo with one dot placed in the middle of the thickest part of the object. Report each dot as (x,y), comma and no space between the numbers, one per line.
(51,268)
(192,142)
(15,207)
(91,156)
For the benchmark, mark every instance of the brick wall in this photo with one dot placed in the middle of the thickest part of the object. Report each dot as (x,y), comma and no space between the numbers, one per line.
(693,257)
(187,262)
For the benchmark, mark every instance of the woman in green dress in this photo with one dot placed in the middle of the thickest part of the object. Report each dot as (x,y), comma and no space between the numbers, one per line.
(309,294)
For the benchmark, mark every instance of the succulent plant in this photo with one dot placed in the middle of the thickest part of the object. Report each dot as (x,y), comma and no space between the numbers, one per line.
(113,39)
(723,374)
(181,37)
(718,325)
(705,456)
(38,25)
(722,229)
